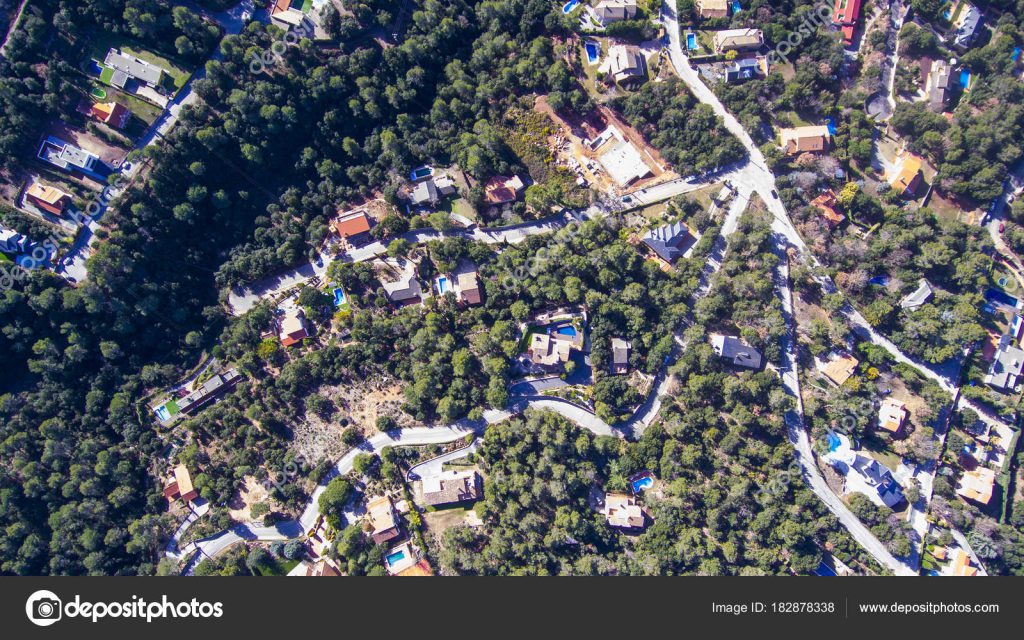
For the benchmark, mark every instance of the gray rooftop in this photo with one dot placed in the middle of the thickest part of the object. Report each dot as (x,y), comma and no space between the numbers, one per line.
(665,241)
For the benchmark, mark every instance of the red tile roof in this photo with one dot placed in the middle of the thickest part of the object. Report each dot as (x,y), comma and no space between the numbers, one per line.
(352,224)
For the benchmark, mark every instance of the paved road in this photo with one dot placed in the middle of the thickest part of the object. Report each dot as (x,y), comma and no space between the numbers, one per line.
(435,466)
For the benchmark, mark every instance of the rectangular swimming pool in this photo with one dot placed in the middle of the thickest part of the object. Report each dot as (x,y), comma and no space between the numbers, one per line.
(593,51)
(339,297)
(443,286)
(393,558)
(567,331)
(691,41)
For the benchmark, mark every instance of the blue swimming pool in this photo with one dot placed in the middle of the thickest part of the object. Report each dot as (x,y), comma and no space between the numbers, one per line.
(736,8)
(162,413)
(339,297)
(567,331)
(593,51)
(881,281)
(443,286)
(1000,297)
(393,558)
(833,442)
(691,41)
(422,172)
(643,483)
(965,79)
(831,126)
(569,6)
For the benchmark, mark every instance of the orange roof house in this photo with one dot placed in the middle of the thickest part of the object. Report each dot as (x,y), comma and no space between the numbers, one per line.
(50,199)
(502,189)
(421,568)
(977,485)
(962,564)
(293,328)
(352,224)
(892,415)
(845,15)
(840,369)
(805,139)
(113,113)
(908,180)
(180,486)
(826,203)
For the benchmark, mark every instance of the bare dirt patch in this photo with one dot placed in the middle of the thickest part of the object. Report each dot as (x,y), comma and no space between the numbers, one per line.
(252,491)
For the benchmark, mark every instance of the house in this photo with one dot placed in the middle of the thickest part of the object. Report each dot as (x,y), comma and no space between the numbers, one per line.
(962,565)
(891,416)
(840,369)
(811,139)
(845,15)
(425,193)
(452,487)
(467,283)
(405,289)
(735,350)
(620,159)
(712,8)
(622,511)
(72,159)
(745,69)
(738,40)
(114,114)
(352,226)
(879,478)
(324,567)
(628,66)
(1006,367)
(49,199)
(503,189)
(966,20)
(921,295)
(180,485)
(938,84)
(609,11)
(13,242)
(209,391)
(977,485)
(127,67)
(908,179)
(667,241)
(288,15)
(826,204)
(620,355)
(382,519)
(294,328)
(553,348)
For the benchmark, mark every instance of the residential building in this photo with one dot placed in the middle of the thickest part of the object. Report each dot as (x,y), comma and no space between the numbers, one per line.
(180,485)
(13,242)
(405,289)
(667,242)
(383,521)
(294,328)
(977,485)
(921,295)
(826,204)
(1007,365)
(736,351)
(452,487)
(891,416)
(738,40)
(628,66)
(712,8)
(128,67)
(352,226)
(745,69)
(619,157)
(620,355)
(209,391)
(845,15)
(322,568)
(908,179)
(467,283)
(811,139)
(622,511)
(962,565)
(879,478)
(49,199)
(938,84)
(840,369)
(68,157)
(114,114)
(609,11)
(503,189)
(288,15)
(553,348)
(966,19)
(425,194)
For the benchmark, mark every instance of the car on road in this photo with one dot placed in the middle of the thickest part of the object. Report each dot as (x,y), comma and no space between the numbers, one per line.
(1002,227)
(775,194)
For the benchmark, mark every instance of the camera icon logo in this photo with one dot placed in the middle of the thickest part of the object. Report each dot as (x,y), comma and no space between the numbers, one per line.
(43,608)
